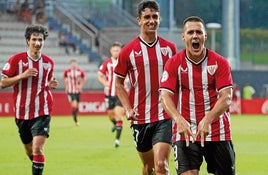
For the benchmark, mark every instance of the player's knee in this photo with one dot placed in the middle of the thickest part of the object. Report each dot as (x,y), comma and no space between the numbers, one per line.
(161,167)
(148,169)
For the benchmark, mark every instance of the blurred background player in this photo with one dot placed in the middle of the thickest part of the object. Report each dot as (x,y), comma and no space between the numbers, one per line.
(74,79)
(106,78)
(143,60)
(31,75)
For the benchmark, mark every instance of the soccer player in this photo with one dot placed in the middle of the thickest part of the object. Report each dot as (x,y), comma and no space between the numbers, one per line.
(106,78)
(201,81)
(31,75)
(143,60)
(74,78)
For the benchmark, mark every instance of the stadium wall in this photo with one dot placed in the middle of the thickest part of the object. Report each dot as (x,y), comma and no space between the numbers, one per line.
(92,103)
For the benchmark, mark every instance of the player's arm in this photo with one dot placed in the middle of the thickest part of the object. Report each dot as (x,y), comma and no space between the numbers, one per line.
(10,81)
(102,80)
(123,97)
(223,103)
(183,127)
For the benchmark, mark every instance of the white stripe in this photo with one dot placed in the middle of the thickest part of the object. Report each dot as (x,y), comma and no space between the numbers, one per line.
(160,72)
(28,92)
(178,136)
(134,82)
(191,97)
(147,82)
(205,92)
(19,92)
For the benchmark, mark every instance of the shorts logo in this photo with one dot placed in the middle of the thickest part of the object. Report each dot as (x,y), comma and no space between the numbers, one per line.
(46,129)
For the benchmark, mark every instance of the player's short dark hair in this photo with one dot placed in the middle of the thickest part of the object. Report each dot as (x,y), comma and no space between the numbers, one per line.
(193,19)
(117,44)
(35,29)
(151,4)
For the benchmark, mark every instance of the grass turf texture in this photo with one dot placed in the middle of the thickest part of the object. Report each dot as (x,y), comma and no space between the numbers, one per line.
(89,148)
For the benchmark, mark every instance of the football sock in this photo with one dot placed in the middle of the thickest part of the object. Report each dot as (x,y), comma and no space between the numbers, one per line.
(38,164)
(114,121)
(74,112)
(31,157)
(118,129)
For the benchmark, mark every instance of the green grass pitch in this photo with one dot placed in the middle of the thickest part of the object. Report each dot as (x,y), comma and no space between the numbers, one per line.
(89,148)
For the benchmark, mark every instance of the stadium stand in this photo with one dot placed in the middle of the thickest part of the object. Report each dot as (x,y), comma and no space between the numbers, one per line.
(13,41)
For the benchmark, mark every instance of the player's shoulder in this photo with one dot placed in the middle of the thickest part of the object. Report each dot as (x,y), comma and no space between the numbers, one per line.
(47,58)
(18,56)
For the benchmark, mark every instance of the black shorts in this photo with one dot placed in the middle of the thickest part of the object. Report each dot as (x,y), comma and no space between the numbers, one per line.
(147,135)
(30,128)
(112,101)
(74,97)
(220,157)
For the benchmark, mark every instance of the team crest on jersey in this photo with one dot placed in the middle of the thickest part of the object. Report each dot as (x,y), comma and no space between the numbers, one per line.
(164,76)
(137,54)
(164,50)
(212,69)
(46,65)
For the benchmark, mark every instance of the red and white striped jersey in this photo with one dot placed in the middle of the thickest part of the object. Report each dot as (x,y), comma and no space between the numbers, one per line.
(73,78)
(107,69)
(144,64)
(197,85)
(32,97)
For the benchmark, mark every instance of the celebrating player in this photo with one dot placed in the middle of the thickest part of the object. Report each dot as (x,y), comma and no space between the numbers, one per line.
(31,75)
(201,81)
(143,60)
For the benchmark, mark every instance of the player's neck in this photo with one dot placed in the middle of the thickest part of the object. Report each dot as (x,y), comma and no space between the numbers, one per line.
(34,55)
(148,38)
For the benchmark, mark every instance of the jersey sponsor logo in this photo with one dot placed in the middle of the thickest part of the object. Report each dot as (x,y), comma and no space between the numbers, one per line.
(25,64)
(164,76)
(212,69)
(137,53)
(6,67)
(184,70)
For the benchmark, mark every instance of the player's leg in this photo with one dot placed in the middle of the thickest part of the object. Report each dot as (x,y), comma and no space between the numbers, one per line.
(162,146)
(220,157)
(110,111)
(147,159)
(40,132)
(25,136)
(75,107)
(119,114)
(142,135)
(187,159)
(38,154)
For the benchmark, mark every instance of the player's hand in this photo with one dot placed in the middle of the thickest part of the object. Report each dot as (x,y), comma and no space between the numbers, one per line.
(131,114)
(53,83)
(31,72)
(184,129)
(203,130)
